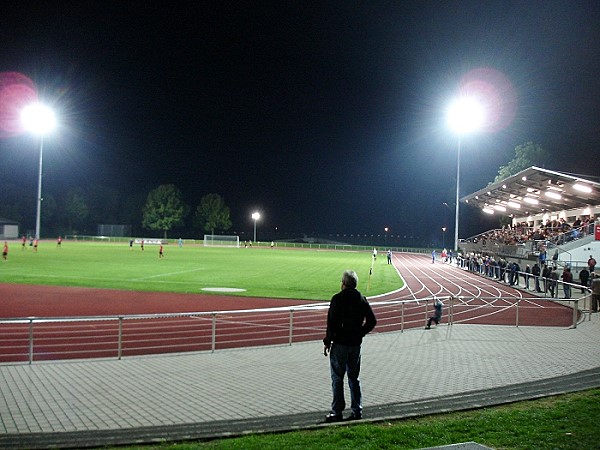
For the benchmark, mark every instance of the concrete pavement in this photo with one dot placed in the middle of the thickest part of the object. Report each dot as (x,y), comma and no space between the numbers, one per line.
(231,392)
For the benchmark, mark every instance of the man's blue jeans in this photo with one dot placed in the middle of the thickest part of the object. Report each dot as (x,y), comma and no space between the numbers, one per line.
(345,359)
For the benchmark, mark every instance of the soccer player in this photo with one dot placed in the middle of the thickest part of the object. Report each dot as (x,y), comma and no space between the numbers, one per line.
(23,241)
(5,251)
(35,245)
(59,241)
(160,251)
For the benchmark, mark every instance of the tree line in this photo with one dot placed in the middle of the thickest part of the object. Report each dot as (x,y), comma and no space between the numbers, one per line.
(79,211)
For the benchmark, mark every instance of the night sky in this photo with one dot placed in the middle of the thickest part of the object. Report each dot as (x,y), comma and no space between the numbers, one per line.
(327,117)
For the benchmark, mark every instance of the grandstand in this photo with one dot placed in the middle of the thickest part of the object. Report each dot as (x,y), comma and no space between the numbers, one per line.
(552,212)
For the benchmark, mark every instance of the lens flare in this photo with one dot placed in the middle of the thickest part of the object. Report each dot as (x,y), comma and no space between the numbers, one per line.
(496,94)
(16,91)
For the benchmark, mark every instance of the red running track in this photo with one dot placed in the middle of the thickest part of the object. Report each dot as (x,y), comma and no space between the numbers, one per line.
(477,300)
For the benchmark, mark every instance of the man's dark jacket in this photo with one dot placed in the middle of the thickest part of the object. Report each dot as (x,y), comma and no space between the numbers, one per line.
(349,319)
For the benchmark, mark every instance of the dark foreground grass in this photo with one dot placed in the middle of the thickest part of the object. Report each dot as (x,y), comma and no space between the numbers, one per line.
(570,421)
(256,272)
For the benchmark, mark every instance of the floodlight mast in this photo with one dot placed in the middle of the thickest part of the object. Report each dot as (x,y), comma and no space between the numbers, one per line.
(38,119)
(255,217)
(465,115)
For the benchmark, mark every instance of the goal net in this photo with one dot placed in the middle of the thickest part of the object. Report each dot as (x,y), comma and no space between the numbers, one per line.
(212,240)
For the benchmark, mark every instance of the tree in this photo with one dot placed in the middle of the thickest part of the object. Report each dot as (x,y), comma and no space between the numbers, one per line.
(526,155)
(212,213)
(76,209)
(164,209)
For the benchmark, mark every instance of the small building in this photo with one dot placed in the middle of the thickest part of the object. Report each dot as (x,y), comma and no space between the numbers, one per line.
(9,229)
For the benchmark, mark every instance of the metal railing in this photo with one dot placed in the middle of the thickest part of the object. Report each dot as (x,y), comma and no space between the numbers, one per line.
(36,339)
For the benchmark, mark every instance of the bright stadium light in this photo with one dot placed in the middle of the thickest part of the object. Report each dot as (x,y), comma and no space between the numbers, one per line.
(38,119)
(255,217)
(465,115)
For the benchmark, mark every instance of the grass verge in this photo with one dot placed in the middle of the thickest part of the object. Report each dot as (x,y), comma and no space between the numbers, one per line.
(568,421)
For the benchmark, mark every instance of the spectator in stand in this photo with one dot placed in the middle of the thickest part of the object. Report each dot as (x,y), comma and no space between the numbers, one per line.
(567,278)
(542,257)
(584,276)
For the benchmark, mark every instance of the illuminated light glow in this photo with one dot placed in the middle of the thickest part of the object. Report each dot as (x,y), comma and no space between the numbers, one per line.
(513,205)
(553,195)
(524,178)
(38,118)
(465,115)
(499,208)
(582,188)
(587,211)
(503,186)
(488,210)
(532,201)
(530,190)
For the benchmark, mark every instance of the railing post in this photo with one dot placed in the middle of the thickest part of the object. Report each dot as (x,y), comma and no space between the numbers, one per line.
(30,341)
(575,311)
(517,306)
(214,332)
(291,326)
(402,317)
(427,309)
(120,339)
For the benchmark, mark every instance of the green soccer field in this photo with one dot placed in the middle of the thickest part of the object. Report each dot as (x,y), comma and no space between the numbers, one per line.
(256,272)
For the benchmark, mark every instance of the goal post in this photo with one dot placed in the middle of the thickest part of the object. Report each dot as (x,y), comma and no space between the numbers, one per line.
(213,240)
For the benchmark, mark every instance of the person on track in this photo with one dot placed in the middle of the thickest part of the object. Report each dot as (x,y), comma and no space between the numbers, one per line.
(437,314)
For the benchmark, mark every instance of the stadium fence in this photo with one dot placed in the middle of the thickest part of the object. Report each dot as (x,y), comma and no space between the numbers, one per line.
(38,339)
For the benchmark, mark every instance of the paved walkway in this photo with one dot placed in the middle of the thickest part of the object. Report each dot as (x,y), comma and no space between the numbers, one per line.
(229,392)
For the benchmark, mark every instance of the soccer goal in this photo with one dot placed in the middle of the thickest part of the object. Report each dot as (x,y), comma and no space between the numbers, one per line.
(212,240)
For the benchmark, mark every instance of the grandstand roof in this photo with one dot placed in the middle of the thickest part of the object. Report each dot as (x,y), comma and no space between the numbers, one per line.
(535,190)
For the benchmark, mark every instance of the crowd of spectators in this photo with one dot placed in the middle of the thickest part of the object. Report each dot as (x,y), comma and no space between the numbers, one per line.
(553,232)
(542,277)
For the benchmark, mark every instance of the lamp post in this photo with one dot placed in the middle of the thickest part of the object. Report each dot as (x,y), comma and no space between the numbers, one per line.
(465,115)
(38,119)
(386,229)
(255,217)
(443,237)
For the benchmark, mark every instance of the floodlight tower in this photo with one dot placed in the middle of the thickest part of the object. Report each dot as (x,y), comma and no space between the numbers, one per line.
(255,217)
(40,120)
(465,115)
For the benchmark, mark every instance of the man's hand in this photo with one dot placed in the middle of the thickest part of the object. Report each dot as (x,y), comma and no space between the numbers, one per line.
(326,349)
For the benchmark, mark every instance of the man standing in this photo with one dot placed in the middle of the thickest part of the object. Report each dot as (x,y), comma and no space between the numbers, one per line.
(584,276)
(535,271)
(5,251)
(595,293)
(591,264)
(349,319)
